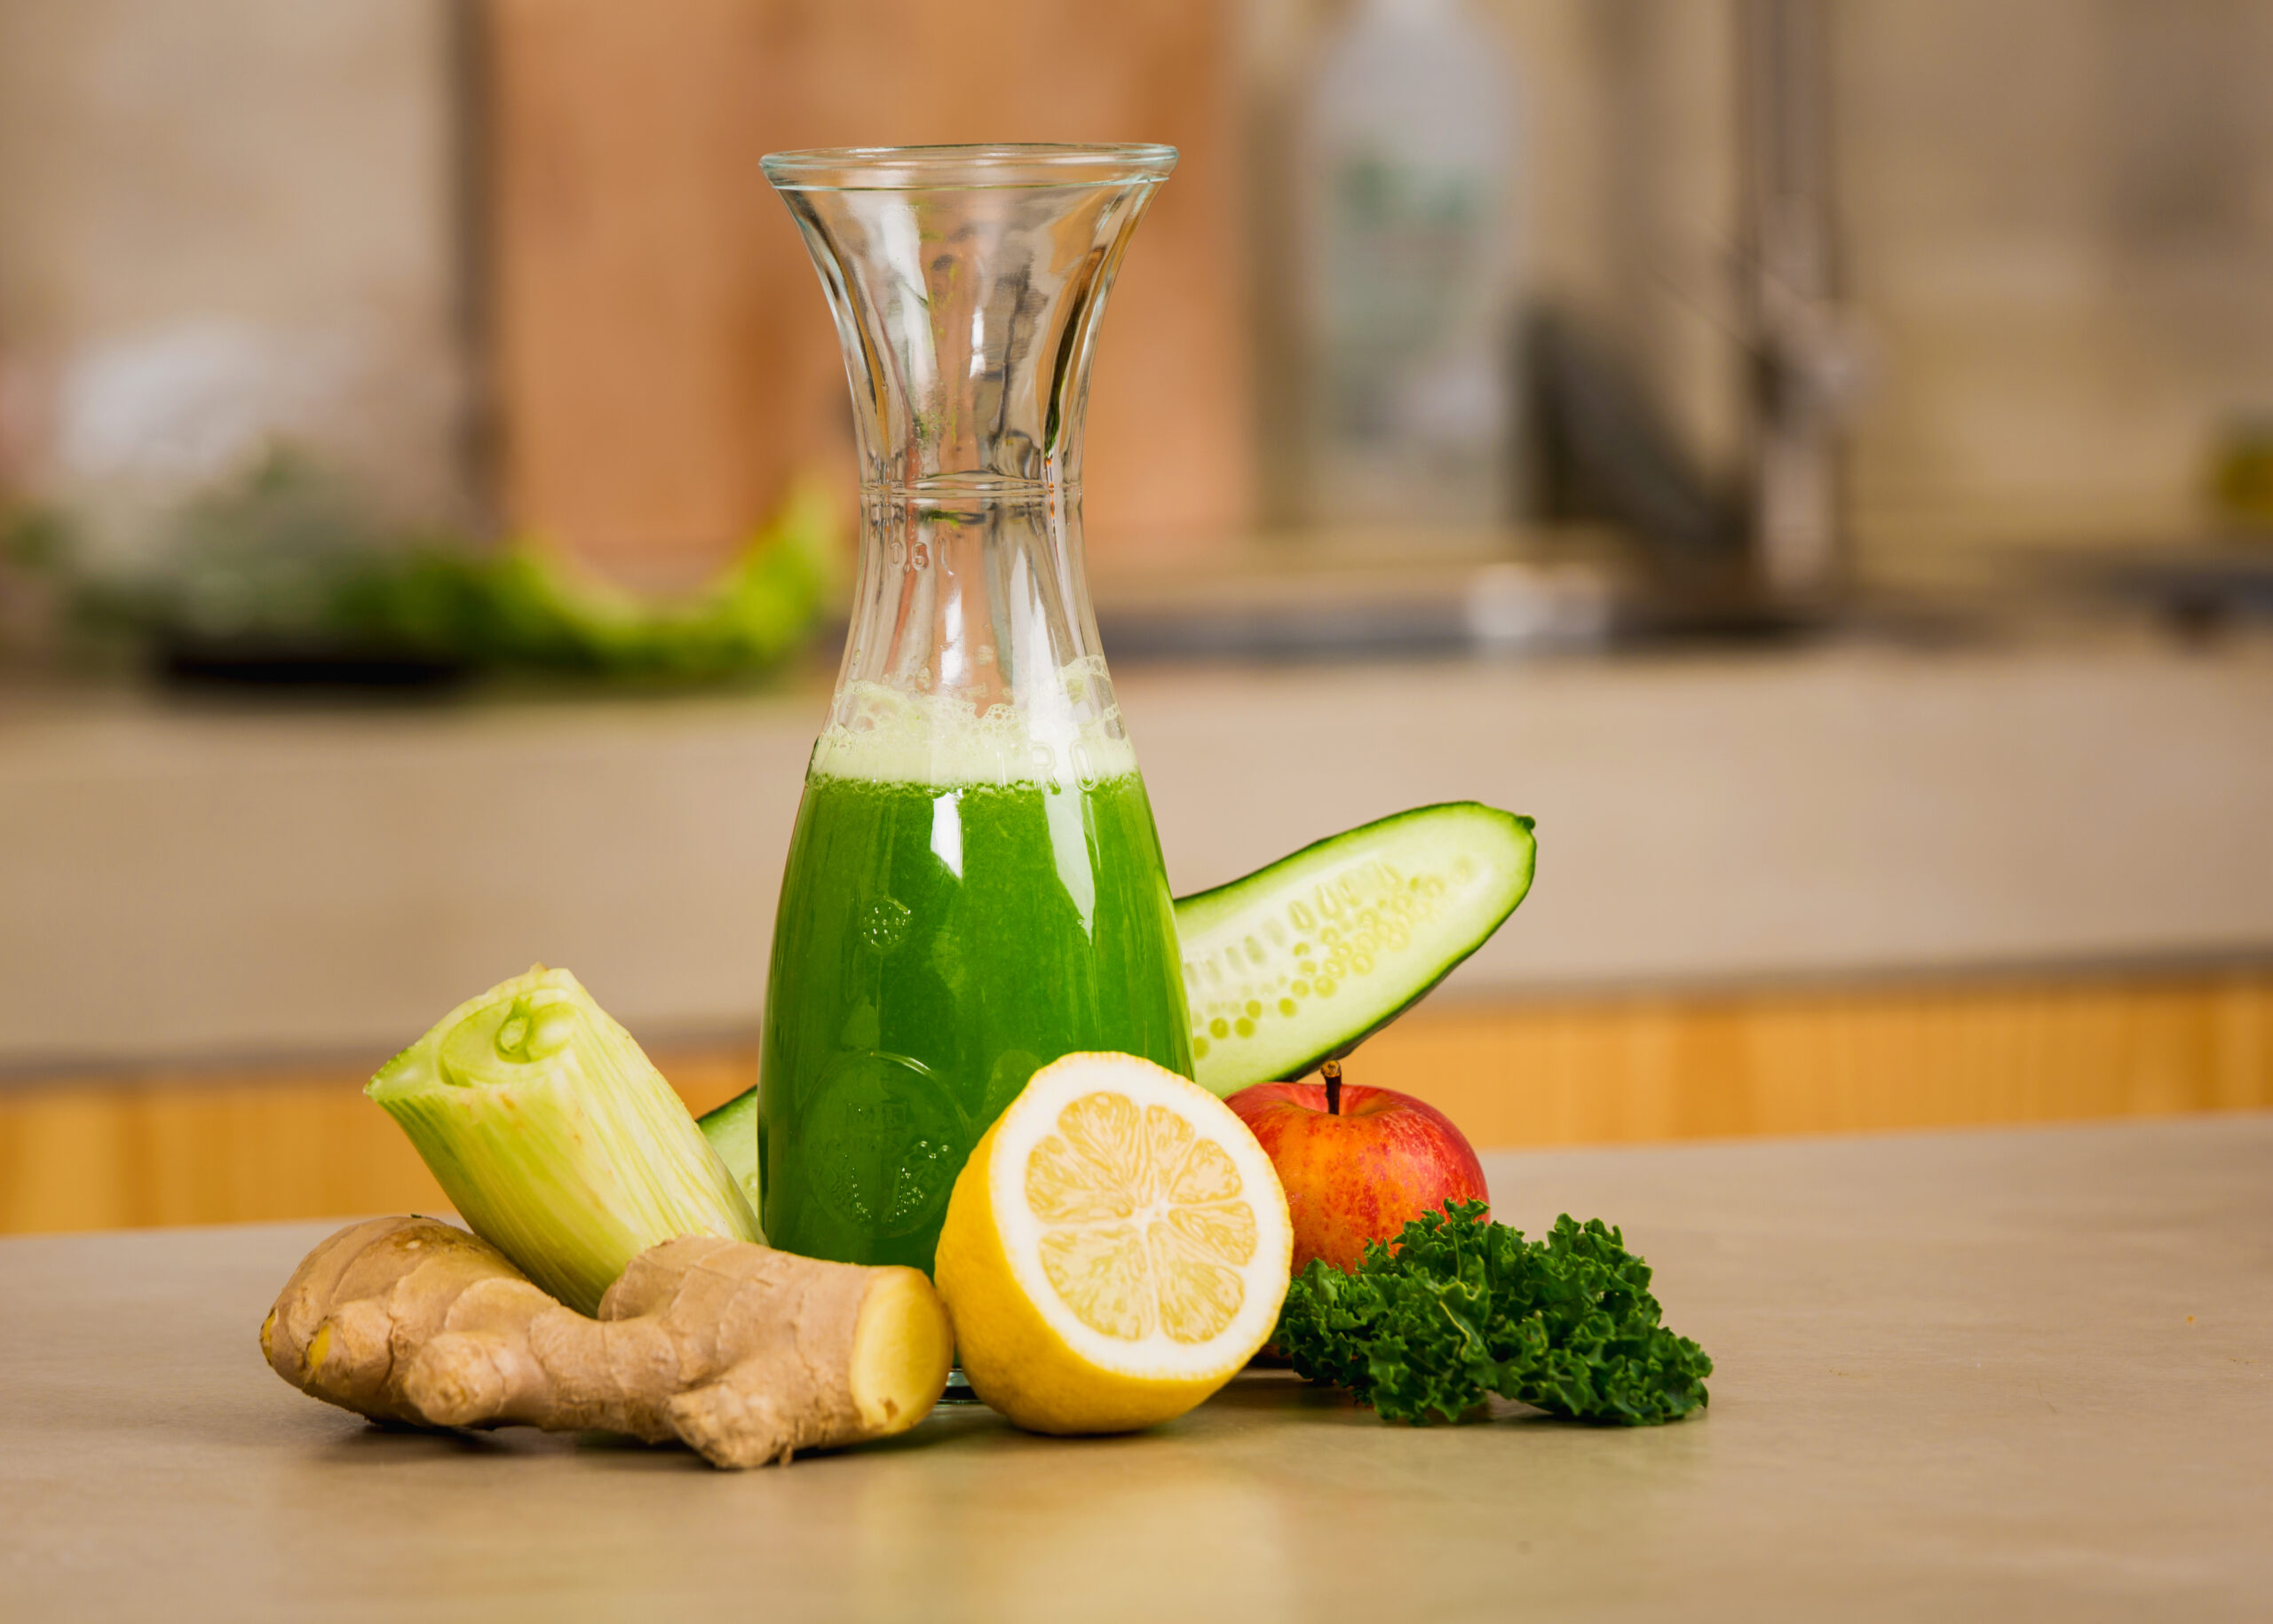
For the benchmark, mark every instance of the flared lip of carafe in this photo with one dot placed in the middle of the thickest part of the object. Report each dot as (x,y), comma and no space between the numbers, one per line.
(981,167)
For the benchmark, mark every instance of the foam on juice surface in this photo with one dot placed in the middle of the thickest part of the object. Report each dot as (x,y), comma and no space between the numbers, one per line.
(1065,732)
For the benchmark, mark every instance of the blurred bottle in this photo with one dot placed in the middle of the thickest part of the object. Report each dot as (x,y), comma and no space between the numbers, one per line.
(1408,163)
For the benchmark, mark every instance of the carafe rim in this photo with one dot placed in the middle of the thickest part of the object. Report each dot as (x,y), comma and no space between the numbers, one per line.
(979,166)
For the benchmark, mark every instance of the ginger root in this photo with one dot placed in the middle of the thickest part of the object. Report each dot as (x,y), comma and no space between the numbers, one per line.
(745,1353)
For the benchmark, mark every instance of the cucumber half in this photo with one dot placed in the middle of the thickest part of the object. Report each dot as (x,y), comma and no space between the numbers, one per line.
(732,1132)
(1301,962)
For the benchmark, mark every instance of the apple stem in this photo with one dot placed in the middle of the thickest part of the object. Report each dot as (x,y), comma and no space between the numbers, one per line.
(1332,1072)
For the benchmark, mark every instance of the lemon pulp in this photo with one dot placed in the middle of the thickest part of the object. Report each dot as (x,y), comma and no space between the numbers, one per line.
(1141,1223)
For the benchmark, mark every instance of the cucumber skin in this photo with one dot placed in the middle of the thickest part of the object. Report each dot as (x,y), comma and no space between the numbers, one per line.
(719,1126)
(1271,871)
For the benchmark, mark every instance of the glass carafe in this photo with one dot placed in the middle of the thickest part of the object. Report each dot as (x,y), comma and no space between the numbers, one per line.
(975,885)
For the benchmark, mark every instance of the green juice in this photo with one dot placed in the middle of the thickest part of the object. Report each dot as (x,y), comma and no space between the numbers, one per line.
(937,943)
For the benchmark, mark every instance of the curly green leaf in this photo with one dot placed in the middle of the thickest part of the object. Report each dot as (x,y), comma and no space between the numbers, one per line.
(1459,1308)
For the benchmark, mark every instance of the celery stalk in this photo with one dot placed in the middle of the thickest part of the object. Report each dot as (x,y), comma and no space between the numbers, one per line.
(556,1138)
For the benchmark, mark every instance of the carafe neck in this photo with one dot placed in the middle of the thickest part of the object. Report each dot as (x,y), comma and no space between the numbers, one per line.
(966,285)
(966,296)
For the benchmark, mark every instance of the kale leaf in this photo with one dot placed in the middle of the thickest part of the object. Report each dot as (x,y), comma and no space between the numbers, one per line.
(1462,1308)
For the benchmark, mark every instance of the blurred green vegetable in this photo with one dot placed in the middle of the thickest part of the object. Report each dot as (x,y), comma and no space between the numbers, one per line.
(533,609)
(293,567)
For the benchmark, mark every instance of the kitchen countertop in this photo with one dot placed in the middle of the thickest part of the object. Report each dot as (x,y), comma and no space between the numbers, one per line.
(289,880)
(2024,1374)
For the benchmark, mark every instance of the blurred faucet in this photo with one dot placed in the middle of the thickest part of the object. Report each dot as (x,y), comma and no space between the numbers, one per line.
(1808,359)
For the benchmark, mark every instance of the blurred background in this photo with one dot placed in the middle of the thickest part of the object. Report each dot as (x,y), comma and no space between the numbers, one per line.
(1816,455)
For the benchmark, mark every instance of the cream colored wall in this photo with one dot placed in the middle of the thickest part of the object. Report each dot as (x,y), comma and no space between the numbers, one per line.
(250,202)
(317,882)
(2059,221)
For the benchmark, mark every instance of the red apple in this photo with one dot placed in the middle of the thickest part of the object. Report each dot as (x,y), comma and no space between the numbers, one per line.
(1357,1166)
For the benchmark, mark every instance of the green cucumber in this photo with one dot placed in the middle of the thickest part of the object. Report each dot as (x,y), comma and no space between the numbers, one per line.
(732,1132)
(1303,961)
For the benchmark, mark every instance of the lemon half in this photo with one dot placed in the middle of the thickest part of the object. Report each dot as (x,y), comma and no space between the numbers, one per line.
(1116,1249)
